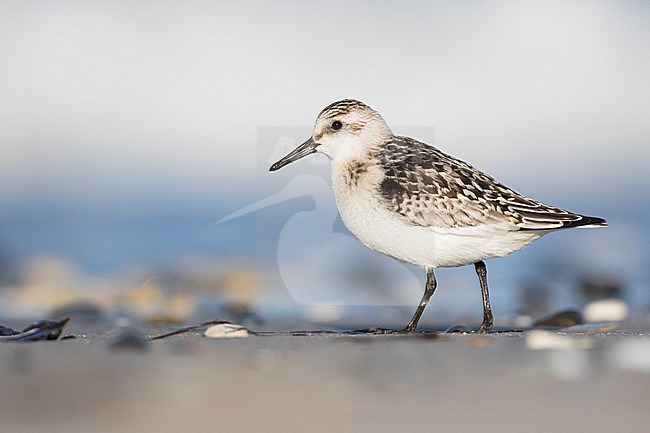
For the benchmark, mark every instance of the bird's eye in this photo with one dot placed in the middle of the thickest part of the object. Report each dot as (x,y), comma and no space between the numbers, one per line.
(336,125)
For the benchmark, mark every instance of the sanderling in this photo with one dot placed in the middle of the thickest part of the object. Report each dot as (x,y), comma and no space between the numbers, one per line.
(408,200)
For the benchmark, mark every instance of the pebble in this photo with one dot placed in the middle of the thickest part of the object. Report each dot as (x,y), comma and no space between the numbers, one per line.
(226,330)
(606,310)
(592,327)
(129,339)
(41,330)
(545,340)
(562,319)
(6,331)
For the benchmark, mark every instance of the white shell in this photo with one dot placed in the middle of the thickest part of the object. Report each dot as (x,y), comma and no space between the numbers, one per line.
(226,330)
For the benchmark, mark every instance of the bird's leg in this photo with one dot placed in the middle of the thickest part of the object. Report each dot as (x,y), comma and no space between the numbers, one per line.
(429,288)
(481,271)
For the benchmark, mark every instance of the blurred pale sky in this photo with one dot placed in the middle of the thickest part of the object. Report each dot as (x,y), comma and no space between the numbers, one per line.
(113,99)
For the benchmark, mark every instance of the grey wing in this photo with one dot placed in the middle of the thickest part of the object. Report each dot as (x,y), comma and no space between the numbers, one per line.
(432,189)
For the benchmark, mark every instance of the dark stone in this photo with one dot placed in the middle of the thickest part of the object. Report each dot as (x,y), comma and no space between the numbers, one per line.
(563,319)
(129,339)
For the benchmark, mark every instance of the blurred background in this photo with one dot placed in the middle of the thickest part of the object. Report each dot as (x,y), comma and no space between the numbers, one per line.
(135,141)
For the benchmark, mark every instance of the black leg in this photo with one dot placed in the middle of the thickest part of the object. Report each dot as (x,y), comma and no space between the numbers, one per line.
(429,288)
(481,271)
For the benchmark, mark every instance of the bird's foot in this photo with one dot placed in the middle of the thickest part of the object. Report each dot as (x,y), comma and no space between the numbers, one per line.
(486,326)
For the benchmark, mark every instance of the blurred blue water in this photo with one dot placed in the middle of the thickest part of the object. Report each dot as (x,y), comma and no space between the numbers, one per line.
(111,240)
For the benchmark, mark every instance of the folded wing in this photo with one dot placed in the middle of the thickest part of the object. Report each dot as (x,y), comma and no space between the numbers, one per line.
(432,189)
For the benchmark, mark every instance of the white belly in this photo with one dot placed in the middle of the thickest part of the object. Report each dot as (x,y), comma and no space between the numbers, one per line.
(389,233)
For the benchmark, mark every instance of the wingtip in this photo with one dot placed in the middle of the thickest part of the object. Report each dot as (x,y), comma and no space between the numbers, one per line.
(594,222)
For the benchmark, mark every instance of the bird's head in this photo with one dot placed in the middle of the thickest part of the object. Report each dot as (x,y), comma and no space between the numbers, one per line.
(343,130)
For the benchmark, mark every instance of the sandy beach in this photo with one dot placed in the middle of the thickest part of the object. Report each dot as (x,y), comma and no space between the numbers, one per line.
(504,382)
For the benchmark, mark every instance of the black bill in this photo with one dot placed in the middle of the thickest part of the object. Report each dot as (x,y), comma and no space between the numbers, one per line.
(306,148)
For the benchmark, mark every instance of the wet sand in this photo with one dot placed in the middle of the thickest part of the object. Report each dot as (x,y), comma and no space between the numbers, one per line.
(329,382)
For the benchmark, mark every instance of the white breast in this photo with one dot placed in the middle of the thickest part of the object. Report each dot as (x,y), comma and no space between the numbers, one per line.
(387,232)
